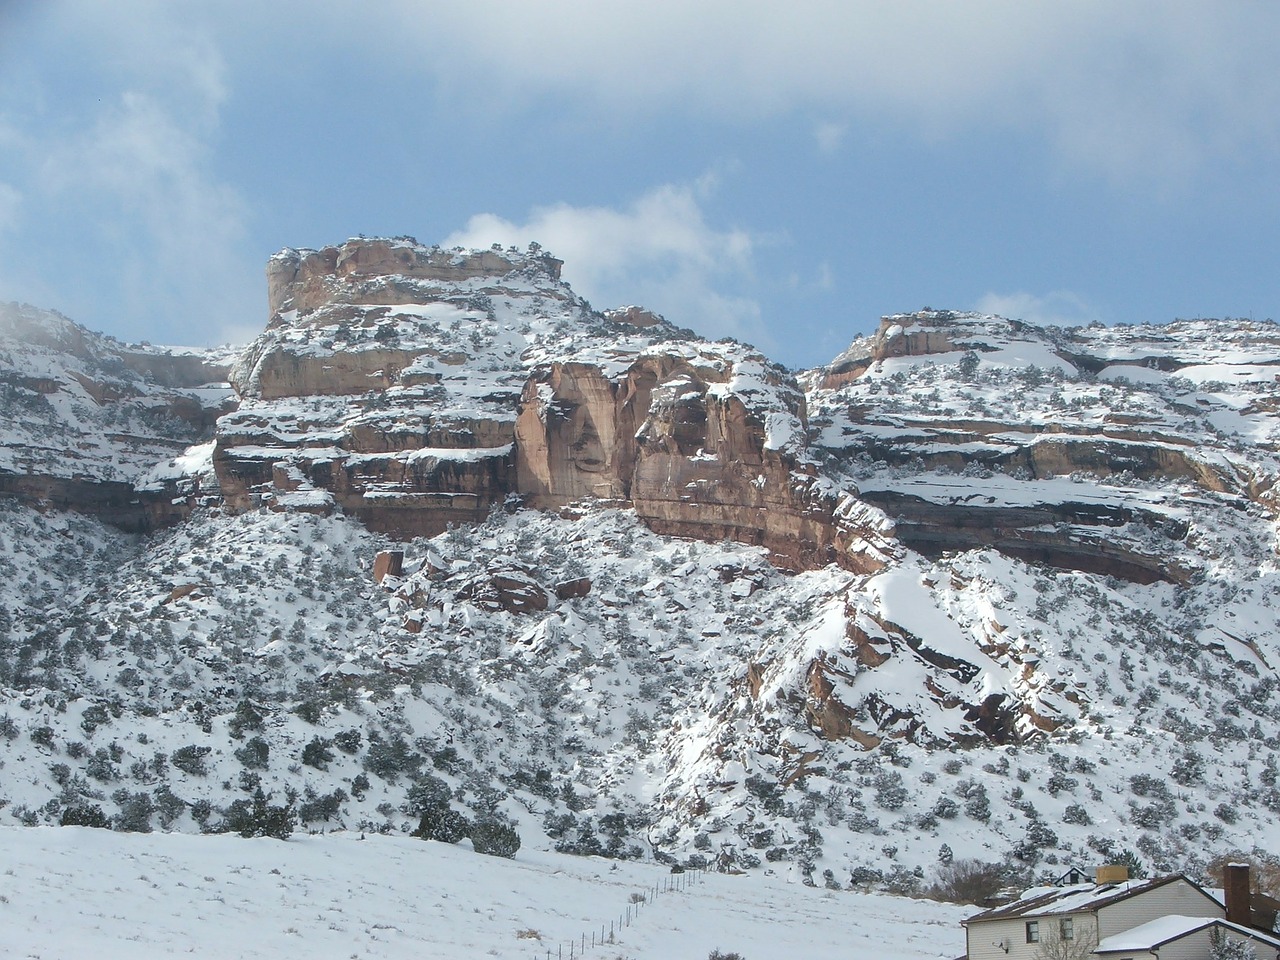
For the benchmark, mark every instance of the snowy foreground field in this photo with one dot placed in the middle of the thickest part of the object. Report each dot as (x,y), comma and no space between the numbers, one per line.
(79,892)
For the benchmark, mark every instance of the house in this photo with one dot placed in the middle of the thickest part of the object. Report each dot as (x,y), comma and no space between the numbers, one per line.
(1072,878)
(1182,938)
(1166,918)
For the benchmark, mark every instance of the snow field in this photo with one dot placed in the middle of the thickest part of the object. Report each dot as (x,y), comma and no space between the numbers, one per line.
(75,891)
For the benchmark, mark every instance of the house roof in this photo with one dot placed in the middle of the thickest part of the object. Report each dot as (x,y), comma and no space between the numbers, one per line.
(1156,933)
(1153,933)
(1051,901)
(1073,871)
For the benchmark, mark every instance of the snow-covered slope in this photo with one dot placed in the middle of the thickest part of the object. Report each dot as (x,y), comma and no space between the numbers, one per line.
(725,709)
(1026,613)
(86,419)
(75,892)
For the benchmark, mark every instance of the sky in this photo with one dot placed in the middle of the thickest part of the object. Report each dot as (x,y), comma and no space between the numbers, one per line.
(785,176)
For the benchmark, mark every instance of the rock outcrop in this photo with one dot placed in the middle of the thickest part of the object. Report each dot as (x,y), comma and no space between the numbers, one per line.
(1009,538)
(88,419)
(381,271)
(705,443)
(415,388)
(974,432)
(387,381)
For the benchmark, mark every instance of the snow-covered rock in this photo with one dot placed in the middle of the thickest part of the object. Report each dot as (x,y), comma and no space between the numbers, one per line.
(977,588)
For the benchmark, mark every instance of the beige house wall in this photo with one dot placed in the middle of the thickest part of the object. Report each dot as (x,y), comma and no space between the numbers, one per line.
(983,938)
(1007,939)
(1194,946)
(1178,898)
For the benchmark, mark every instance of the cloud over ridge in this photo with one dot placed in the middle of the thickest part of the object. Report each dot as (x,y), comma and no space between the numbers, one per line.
(658,249)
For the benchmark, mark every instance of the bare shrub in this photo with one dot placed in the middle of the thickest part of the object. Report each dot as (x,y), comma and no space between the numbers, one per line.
(967,881)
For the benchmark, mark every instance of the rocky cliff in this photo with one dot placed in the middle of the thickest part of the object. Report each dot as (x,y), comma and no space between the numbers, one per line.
(415,387)
(976,586)
(979,431)
(87,419)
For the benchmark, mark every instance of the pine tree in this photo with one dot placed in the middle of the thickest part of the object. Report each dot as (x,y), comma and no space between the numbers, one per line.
(442,823)
(1223,947)
(495,838)
(259,818)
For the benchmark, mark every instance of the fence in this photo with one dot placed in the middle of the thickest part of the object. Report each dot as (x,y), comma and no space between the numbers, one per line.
(608,932)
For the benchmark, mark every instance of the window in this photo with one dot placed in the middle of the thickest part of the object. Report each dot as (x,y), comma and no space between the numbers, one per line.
(1067,928)
(1033,931)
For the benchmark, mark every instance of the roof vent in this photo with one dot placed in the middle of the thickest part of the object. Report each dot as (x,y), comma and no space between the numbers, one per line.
(1112,873)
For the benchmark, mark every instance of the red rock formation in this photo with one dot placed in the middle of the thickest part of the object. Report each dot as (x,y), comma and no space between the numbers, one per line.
(388,563)
(305,280)
(574,589)
(674,434)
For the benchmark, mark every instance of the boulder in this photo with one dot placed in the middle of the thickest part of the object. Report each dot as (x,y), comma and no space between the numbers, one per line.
(388,563)
(573,589)
(513,589)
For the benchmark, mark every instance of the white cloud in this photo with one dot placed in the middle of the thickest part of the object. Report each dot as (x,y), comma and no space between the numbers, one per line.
(1058,308)
(829,137)
(658,250)
(142,174)
(128,165)
(152,165)
(1150,91)
(166,50)
(10,201)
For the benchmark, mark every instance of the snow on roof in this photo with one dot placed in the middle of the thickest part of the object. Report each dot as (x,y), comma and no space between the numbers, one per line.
(1041,901)
(1153,933)
(1156,933)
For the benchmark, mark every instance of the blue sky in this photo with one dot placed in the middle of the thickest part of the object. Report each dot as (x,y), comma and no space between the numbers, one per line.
(785,177)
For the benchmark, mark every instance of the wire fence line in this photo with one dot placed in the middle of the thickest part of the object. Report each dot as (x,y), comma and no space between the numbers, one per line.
(609,930)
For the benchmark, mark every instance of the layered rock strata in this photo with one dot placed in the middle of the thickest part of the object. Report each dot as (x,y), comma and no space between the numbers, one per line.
(88,419)
(414,388)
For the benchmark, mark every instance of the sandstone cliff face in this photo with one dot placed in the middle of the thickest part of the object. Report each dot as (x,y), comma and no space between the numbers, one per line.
(705,443)
(415,388)
(389,378)
(87,418)
(921,334)
(576,433)
(306,280)
(406,479)
(976,431)
(276,371)
(712,467)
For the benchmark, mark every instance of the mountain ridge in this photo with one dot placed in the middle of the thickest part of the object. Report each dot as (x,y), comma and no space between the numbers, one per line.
(975,585)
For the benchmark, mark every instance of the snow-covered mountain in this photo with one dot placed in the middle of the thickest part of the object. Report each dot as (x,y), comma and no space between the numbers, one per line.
(975,589)
(92,424)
